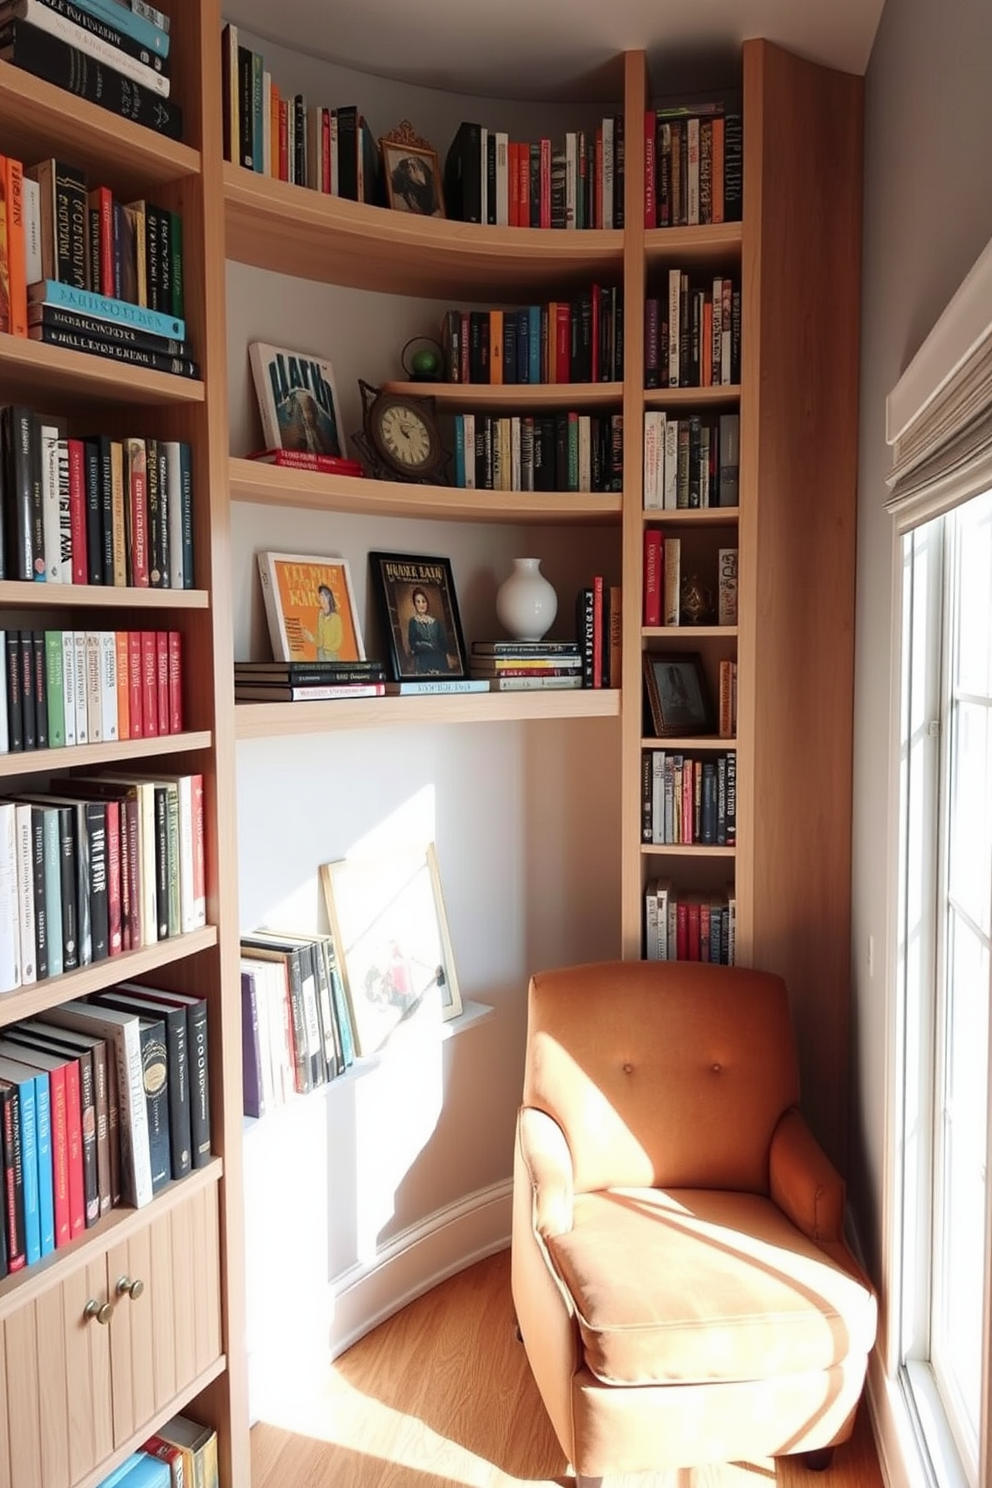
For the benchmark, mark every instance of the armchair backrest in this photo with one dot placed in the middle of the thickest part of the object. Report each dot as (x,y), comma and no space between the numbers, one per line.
(662,1074)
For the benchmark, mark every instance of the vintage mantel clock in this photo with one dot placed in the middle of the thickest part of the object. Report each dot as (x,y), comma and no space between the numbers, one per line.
(400,438)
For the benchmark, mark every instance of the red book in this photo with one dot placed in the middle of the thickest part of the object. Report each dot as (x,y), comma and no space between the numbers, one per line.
(523,184)
(463,343)
(162,679)
(13,1209)
(77,510)
(563,333)
(597,630)
(199,855)
(101,201)
(325,151)
(115,943)
(545,180)
(149,684)
(135,711)
(693,914)
(653,547)
(126,887)
(305,460)
(175,682)
(682,931)
(650,198)
(513,166)
(123,686)
(596,296)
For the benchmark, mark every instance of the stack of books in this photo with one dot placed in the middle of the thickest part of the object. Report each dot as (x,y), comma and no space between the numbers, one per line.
(114,53)
(519,666)
(307,681)
(309,460)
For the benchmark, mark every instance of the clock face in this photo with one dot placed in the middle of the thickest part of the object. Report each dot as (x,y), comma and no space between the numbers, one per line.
(405,436)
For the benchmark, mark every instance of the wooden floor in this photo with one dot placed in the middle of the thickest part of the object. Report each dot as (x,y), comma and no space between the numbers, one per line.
(441,1395)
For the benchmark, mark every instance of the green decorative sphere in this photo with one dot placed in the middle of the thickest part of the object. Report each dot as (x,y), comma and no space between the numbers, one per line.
(426,363)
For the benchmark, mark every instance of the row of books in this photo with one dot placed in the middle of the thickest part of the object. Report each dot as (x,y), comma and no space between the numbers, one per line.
(680,925)
(561,451)
(517,666)
(580,340)
(688,799)
(297,1028)
(104,1101)
(598,632)
(692,336)
(107,865)
(281,135)
(693,165)
(181,1454)
(574,181)
(307,681)
(690,462)
(96,510)
(67,687)
(111,53)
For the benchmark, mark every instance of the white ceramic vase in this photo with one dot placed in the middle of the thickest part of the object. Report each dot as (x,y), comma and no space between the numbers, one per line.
(525,602)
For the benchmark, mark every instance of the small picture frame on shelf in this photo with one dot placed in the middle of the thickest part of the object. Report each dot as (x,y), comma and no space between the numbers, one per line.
(310,608)
(677,694)
(412,172)
(418,609)
(391,935)
(297,400)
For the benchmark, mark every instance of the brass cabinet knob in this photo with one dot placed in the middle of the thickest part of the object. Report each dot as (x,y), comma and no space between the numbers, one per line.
(102,1311)
(133,1289)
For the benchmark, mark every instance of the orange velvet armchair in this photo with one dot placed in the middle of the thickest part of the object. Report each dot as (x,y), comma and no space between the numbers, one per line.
(680,1276)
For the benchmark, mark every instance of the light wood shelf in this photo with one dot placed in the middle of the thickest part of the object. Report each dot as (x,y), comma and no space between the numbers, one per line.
(532,395)
(23,595)
(34,370)
(685,850)
(722,394)
(88,756)
(279,485)
(710,246)
(685,516)
(278,720)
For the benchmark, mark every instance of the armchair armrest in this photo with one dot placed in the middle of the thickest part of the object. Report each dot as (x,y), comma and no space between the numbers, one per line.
(803,1182)
(547,1162)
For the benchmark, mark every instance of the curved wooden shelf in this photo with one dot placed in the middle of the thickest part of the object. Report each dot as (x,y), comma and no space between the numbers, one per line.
(712,244)
(99,596)
(275,720)
(32,369)
(83,756)
(532,395)
(704,397)
(278,485)
(27,1002)
(693,516)
(38,120)
(292,230)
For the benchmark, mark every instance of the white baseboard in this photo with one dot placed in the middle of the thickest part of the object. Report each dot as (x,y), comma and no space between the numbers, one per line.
(418,1259)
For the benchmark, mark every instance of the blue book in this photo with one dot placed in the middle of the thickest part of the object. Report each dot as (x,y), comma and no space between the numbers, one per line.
(24,1080)
(534,342)
(460,450)
(140,1470)
(123,18)
(103,307)
(523,346)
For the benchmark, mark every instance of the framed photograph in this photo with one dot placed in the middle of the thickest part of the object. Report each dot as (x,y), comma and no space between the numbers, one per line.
(297,400)
(419,614)
(677,693)
(310,608)
(412,173)
(391,935)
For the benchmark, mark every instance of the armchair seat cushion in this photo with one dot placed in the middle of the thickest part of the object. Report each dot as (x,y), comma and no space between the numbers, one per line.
(692,1286)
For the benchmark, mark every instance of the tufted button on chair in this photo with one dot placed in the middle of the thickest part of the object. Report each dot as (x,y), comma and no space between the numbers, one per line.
(680,1276)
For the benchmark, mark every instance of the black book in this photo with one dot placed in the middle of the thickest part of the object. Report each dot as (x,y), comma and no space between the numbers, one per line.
(47,57)
(103,444)
(584,632)
(39,662)
(15,430)
(39,891)
(198,1060)
(96,827)
(163,229)
(114,350)
(348,151)
(131,998)
(28,722)
(339,999)
(153,258)
(309,673)
(162,861)
(463,174)
(107,33)
(186,512)
(15,702)
(94,512)
(67,881)
(155,1075)
(298,104)
(491,177)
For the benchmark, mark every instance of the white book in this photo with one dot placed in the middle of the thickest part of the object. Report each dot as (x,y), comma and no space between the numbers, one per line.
(670,592)
(192,893)
(24,857)
(65,513)
(108,685)
(571,177)
(657,796)
(79,670)
(93,688)
(10,941)
(608,138)
(69,684)
(654,437)
(670,492)
(31,208)
(174,482)
(650,920)
(502,179)
(123,1032)
(51,516)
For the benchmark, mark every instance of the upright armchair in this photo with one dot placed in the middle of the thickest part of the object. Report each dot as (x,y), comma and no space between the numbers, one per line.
(680,1276)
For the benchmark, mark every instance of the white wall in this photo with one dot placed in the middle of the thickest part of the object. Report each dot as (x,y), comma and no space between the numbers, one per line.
(928,215)
(526,818)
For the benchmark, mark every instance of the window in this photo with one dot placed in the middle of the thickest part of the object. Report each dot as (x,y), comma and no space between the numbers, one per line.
(945,904)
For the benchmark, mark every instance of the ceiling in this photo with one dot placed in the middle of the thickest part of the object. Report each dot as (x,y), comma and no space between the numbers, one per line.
(551,48)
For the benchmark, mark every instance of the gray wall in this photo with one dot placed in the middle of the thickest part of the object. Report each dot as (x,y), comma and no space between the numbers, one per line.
(928,215)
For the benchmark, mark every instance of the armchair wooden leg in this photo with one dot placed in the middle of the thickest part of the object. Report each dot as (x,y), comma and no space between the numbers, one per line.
(819,1460)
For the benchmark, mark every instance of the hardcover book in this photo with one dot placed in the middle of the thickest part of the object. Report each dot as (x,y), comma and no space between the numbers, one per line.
(297,400)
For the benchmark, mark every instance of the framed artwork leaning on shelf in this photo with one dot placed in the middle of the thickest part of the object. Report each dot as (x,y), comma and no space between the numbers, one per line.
(677,694)
(418,610)
(391,935)
(412,173)
(310,608)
